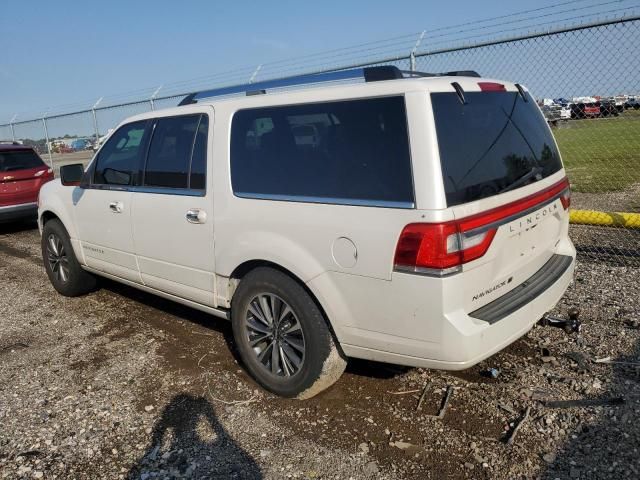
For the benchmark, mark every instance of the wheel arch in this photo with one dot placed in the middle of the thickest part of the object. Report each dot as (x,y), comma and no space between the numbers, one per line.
(245,267)
(49,214)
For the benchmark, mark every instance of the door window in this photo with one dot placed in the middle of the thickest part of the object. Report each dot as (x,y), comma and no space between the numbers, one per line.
(120,157)
(177,154)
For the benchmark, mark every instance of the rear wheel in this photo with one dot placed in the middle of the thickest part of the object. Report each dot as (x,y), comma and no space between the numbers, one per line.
(282,336)
(64,272)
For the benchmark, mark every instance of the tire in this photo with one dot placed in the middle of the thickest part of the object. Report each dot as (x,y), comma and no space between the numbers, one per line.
(307,360)
(64,272)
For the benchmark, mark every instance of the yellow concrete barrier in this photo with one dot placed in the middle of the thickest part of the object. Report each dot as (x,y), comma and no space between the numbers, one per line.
(609,219)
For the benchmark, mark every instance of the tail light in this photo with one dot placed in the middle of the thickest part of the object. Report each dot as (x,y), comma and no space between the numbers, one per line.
(442,248)
(565,197)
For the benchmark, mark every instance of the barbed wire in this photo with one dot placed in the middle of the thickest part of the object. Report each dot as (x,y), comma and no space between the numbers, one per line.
(365,51)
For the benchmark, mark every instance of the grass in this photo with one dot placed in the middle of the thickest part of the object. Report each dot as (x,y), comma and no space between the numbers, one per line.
(601,155)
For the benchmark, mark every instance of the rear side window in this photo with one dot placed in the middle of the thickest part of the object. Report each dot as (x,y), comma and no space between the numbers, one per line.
(170,154)
(120,157)
(493,143)
(353,152)
(19,160)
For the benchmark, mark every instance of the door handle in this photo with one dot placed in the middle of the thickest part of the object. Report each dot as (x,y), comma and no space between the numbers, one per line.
(116,207)
(195,215)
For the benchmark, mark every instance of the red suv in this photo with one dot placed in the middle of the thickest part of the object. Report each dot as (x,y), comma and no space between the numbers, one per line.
(22,173)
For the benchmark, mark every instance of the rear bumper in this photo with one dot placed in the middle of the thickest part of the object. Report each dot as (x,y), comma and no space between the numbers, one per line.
(14,212)
(415,321)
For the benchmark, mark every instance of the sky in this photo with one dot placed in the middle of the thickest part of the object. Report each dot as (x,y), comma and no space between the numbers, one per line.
(66,52)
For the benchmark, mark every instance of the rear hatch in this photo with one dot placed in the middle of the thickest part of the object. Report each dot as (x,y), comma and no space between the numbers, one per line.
(504,181)
(22,173)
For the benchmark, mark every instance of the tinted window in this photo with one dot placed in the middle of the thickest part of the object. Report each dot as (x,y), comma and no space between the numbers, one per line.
(120,157)
(19,160)
(494,142)
(346,151)
(199,158)
(169,156)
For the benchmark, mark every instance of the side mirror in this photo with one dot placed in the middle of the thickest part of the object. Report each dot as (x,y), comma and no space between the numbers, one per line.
(70,175)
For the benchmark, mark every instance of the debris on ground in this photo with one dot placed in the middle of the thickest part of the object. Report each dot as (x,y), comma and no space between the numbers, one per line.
(78,394)
(512,437)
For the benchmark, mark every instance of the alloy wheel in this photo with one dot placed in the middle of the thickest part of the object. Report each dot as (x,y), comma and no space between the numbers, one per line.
(275,335)
(57,258)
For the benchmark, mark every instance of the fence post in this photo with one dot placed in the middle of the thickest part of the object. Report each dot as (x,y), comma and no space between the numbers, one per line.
(412,56)
(255,74)
(13,131)
(46,139)
(153,97)
(95,122)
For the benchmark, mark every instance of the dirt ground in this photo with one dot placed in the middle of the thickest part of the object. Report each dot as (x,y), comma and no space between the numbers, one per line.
(121,384)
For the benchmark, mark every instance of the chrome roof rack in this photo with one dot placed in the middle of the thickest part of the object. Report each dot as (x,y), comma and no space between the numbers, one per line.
(368,74)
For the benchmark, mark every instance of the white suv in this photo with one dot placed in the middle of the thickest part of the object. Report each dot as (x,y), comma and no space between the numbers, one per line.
(419,220)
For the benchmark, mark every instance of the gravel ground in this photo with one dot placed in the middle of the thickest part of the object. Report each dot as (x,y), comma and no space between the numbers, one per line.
(121,384)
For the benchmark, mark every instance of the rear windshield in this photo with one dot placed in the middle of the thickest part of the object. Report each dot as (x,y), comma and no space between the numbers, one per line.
(19,160)
(492,143)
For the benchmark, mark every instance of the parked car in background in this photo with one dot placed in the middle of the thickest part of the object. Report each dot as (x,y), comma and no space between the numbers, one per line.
(619,101)
(632,102)
(565,111)
(552,113)
(22,174)
(585,110)
(81,144)
(417,221)
(608,107)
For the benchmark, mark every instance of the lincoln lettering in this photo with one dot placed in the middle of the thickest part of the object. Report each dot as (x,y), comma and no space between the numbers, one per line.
(533,218)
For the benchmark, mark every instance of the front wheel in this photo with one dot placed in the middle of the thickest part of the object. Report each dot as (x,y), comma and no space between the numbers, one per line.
(282,336)
(63,269)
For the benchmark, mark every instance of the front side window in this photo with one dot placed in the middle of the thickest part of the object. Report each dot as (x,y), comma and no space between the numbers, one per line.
(120,157)
(177,154)
(354,151)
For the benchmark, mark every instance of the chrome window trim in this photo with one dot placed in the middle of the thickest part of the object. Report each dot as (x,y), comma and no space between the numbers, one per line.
(145,189)
(354,202)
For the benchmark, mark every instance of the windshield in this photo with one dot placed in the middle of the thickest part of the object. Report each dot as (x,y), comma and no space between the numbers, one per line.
(493,143)
(19,160)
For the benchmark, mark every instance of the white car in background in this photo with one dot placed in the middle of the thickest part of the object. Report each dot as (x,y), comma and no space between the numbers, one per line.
(424,224)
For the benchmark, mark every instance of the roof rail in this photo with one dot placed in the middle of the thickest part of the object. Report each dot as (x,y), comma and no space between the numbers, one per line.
(454,73)
(368,74)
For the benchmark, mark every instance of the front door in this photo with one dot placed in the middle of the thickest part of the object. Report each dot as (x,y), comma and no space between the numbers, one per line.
(172,211)
(103,206)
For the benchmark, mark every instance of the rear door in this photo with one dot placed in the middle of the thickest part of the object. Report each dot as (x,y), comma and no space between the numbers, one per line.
(103,208)
(498,155)
(172,213)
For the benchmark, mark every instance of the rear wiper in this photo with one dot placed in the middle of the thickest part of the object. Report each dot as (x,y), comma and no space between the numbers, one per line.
(534,172)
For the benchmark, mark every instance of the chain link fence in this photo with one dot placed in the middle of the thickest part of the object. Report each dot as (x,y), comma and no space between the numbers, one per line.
(594,71)
(586,79)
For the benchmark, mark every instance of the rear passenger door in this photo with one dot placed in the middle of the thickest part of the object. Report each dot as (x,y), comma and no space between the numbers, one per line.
(172,211)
